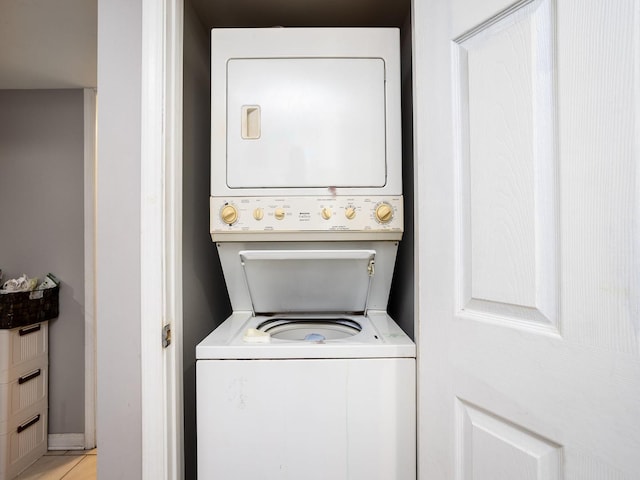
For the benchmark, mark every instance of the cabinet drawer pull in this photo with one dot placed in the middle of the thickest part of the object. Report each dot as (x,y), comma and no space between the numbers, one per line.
(24,426)
(26,331)
(29,376)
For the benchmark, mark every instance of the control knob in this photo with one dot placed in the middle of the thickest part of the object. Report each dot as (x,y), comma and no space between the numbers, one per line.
(279,213)
(229,214)
(350,213)
(384,212)
(326,213)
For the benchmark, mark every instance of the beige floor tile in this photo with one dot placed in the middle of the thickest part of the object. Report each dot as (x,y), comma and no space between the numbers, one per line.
(84,470)
(49,468)
(93,451)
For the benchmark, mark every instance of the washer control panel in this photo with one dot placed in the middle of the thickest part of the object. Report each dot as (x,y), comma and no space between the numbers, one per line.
(306,214)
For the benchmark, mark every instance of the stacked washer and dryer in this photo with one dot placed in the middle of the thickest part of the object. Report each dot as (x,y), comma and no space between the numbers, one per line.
(309,378)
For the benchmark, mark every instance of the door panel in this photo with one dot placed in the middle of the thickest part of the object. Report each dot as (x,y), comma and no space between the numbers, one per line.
(491,447)
(505,158)
(298,104)
(526,141)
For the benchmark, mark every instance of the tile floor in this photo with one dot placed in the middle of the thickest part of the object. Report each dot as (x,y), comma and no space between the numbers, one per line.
(59,464)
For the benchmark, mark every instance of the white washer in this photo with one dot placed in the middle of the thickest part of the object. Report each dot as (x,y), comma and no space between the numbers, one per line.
(338,405)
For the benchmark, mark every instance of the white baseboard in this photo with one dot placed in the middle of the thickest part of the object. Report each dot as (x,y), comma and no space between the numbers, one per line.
(66,441)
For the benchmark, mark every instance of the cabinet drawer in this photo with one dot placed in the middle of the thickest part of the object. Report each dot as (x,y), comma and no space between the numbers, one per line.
(19,346)
(26,390)
(24,443)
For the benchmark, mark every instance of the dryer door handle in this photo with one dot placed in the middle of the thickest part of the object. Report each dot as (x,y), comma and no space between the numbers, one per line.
(251,122)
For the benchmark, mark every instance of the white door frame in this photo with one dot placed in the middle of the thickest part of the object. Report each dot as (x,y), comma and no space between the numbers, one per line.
(161,239)
(90,144)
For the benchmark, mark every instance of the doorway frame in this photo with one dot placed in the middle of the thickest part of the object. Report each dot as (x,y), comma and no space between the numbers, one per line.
(90,204)
(161,240)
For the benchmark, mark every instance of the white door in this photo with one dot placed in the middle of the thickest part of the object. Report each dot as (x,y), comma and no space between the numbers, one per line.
(527,154)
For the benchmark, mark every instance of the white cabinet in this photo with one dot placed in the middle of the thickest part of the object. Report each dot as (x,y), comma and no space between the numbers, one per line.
(24,360)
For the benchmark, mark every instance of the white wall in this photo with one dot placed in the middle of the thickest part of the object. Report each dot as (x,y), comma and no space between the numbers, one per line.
(42,224)
(119,435)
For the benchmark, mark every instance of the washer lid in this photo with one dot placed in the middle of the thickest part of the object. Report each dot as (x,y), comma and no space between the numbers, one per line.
(308,280)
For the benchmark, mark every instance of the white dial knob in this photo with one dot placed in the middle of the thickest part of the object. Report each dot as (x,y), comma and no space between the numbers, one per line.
(384,212)
(326,213)
(279,213)
(258,214)
(229,214)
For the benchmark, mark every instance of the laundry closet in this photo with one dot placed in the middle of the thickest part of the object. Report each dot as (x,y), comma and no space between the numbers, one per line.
(206,301)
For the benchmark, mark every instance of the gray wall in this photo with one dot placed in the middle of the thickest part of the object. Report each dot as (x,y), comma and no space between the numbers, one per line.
(204,293)
(42,223)
(401,299)
(119,431)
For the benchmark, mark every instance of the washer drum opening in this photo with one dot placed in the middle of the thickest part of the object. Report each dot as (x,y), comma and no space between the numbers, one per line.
(309,329)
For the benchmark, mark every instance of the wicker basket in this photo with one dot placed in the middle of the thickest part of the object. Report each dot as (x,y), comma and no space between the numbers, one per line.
(24,308)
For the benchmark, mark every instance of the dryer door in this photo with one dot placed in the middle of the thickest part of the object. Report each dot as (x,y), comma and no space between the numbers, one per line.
(306,122)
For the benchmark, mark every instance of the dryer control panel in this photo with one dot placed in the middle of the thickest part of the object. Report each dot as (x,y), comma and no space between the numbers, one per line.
(301,216)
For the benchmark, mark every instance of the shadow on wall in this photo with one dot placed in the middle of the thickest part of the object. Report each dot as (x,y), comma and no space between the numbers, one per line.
(205,301)
(401,299)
